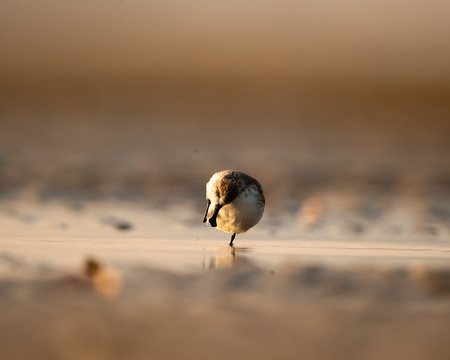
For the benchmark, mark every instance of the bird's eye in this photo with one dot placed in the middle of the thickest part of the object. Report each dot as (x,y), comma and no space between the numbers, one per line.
(218,193)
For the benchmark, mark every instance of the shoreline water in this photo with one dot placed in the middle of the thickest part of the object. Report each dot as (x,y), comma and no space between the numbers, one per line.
(238,308)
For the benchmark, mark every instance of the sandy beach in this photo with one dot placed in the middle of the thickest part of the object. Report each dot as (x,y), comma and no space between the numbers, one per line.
(350,261)
(114,115)
(114,279)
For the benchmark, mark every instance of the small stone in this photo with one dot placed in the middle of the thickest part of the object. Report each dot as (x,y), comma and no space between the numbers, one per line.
(91,267)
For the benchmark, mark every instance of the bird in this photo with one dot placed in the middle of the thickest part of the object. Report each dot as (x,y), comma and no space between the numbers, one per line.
(234,202)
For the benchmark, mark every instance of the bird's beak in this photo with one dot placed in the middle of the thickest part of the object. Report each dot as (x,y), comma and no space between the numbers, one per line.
(208,203)
(213,218)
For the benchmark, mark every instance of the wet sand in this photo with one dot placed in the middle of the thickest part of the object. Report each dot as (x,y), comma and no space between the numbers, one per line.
(204,302)
(118,279)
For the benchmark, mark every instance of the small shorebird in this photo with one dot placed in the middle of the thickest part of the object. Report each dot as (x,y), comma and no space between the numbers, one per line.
(234,202)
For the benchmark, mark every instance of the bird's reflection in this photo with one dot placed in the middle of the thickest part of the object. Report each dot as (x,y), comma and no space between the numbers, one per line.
(226,257)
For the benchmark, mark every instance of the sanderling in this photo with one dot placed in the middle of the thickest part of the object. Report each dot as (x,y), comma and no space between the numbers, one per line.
(234,202)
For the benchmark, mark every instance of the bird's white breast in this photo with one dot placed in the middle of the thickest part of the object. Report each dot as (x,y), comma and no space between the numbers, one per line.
(242,213)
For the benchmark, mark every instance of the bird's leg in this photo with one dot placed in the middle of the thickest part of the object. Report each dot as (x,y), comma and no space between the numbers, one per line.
(208,202)
(232,239)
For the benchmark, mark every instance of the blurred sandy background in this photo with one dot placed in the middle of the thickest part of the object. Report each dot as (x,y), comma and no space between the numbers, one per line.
(176,90)
(110,108)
